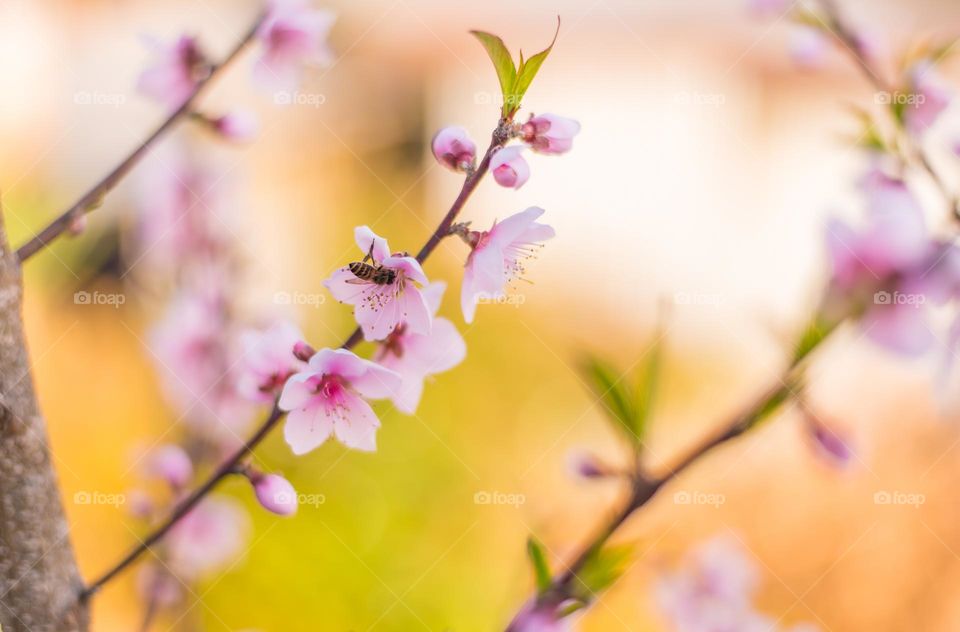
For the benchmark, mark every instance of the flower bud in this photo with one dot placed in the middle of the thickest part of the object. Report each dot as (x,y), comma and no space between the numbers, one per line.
(275,493)
(586,465)
(171,464)
(829,445)
(303,351)
(77,225)
(549,133)
(453,148)
(509,168)
(240,126)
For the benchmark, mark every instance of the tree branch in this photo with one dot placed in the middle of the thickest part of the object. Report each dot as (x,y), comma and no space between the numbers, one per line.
(94,197)
(499,137)
(38,572)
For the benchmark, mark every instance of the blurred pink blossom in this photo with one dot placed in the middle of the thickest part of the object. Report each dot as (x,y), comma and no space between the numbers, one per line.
(239,125)
(453,148)
(931,96)
(549,133)
(808,46)
(327,398)
(509,168)
(498,256)
(534,617)
(379,308)
(175,71)
(208,538)
(416,356)
(268,360)
(170,463)
(293,35)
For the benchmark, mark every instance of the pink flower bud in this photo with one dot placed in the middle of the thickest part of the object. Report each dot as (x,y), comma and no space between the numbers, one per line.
(77,225)
(549,133)
(586,465)
(171,464)
(139,504)
(303,351)
(827,443)
(453,148)
(240,126)
(275,494)
(509,168)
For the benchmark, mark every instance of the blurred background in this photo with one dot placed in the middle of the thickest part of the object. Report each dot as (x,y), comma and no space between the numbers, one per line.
(705,168)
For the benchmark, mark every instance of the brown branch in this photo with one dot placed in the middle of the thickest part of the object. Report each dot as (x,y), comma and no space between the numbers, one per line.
(499,137)
(94,197)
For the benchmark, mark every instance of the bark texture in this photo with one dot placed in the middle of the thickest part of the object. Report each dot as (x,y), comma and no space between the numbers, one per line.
(39,579)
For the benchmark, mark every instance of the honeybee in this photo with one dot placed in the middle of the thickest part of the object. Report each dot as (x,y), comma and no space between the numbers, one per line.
(371,273)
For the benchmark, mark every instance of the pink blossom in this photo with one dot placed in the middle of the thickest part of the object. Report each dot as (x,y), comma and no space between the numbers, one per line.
(833,448)
(158,586)
(268,360)
(931,96)
(549,133)
(379,308)
(416,356)
(509,168)
(275,493)
(293,35)
(327,398)
(713,591)
(208,538)
(171,464)
(499,255)
(453,148)
(240,125)
(808,46)
(175,72)
(768,8)
(196,362)
(182,213)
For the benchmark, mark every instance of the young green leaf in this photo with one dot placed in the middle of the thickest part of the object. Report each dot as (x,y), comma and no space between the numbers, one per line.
(502,63)
(541,569)
(528,70)
(647,386)
(608,386)
(604,567)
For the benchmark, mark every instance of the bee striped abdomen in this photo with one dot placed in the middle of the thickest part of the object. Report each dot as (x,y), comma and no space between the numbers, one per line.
(377,275)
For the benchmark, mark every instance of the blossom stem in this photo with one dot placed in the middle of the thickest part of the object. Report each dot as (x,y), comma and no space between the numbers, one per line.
(644,488)
(498,139)
(227,468)
(849,41)
(234,463)
(94,197)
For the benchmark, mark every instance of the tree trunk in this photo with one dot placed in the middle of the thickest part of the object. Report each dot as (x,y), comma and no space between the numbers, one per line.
(39,579)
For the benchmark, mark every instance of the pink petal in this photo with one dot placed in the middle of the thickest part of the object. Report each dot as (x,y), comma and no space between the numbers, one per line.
(414,310)
(442,350)
(364,237)
(355,423)
(409,266)
(376,381)
(510,229)
(899,328)
(297,392)
(433,295)
(307,428)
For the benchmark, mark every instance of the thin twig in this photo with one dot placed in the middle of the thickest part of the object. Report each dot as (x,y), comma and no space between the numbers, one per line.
(94,197)
(229,466)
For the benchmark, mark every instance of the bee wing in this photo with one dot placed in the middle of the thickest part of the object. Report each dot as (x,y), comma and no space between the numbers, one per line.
(357,281)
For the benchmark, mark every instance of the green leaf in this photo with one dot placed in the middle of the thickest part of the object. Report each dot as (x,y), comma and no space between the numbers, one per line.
(647,386)
(604,567)
(541,569)
(502,62)
(527,71)
(610,390)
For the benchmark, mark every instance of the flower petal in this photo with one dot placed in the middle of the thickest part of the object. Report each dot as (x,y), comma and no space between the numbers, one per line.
(364,237)
(355,423)
(307,428)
